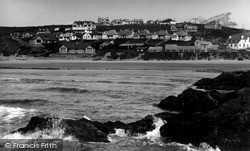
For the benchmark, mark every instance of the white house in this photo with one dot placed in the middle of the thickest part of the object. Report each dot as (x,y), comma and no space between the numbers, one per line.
(83,26)
(238,42)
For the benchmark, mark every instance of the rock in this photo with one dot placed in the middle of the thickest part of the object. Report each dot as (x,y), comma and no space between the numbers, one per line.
(227,124)
(191,101)
(84,130)
(141,126)
(226,81)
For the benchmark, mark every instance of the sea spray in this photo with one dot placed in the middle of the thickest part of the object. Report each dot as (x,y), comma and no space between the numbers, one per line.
(119,133)
(153,135)
(150,136)
(189,147)
(9,114)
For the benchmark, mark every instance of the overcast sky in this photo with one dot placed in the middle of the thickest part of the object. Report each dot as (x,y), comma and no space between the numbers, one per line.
(47,12)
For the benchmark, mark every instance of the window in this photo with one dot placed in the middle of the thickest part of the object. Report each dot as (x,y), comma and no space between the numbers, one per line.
(38,41)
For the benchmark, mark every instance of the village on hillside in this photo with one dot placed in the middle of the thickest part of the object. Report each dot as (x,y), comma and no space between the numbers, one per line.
(124,39)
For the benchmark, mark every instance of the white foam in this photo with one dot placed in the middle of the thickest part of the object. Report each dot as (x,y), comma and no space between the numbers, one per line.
(118,133)
(190,147)
(45,134)
(154,135)
(8,114)
(86,117)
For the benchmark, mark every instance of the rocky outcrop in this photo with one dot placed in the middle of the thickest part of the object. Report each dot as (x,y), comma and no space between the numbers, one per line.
(217,117)
(191,100)
(86,130)
(226,81)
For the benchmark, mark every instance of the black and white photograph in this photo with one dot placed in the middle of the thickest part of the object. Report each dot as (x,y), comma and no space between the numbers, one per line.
(125,75)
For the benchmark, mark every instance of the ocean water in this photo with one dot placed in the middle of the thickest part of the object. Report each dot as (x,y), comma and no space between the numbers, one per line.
(97,94)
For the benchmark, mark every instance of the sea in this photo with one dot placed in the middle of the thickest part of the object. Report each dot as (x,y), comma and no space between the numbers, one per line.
(126,92)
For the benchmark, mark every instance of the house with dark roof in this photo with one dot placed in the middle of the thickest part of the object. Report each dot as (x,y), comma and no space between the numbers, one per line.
(181,35)
(126,33)
(145,34)
(203,45)
(66,36)
(76,48)
(161,34)
(110,34)
(41,39)
(173,28)
(96,35)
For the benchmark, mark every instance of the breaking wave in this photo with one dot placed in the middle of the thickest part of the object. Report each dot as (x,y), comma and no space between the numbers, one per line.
(150,136)
(9,114)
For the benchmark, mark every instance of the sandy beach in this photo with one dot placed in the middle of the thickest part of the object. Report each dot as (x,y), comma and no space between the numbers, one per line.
(132,64)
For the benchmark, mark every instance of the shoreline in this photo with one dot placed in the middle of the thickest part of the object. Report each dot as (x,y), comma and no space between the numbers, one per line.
(131,64)
(10,60)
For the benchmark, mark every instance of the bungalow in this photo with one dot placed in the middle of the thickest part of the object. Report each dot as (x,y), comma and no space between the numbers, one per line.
(42,39)
(111,34)
(126,33)
(145,34)
(181,35)
(76,48)
(161,34)
(203,45)
(66,36)
(239,41)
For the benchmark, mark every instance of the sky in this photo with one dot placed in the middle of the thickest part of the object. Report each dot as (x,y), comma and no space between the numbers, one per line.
(50,12)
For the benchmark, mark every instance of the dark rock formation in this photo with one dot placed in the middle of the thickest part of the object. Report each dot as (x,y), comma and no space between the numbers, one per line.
(190,101)
(217,117)
(141,126)
(226,81)
(86,130)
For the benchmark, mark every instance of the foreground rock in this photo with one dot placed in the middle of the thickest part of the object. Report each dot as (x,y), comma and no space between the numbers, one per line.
(217,117)
(86,130)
